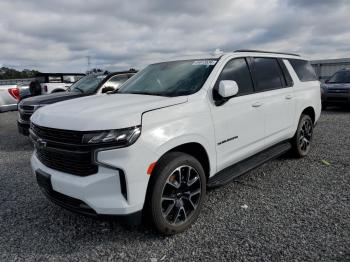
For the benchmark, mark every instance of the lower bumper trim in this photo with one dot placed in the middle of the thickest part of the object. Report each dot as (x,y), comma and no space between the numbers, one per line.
(76,205)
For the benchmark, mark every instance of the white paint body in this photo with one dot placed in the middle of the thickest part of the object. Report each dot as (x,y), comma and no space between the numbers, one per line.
(53,87)
(260,120)
(7,102)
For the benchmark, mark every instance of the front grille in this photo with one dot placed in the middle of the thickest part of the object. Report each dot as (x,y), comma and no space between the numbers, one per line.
(339,90)
(59,151)
(337,98)
(58,135)
(69,162)
(25,116)
(29,108)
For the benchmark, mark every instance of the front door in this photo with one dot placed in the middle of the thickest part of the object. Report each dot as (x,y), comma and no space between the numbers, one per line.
(239,123)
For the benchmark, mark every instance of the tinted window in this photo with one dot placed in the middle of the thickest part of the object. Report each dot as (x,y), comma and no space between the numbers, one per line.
(238,71)
(116,81)
(303,69)
(55,79)
(267,74)
(340,77)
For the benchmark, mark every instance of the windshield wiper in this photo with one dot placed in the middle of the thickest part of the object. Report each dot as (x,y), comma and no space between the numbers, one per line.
(146,93)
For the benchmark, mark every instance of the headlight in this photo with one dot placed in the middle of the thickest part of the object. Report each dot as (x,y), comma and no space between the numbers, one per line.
(117,137)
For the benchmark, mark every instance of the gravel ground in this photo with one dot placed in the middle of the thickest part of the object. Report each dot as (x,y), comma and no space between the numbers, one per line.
(295,210)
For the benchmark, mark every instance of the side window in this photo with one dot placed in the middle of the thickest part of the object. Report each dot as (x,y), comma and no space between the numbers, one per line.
(303,69)
(55,79)
(237,70)
(267,74)
(116,81)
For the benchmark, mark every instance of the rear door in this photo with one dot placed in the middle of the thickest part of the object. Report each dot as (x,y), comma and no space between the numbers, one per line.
(272,80)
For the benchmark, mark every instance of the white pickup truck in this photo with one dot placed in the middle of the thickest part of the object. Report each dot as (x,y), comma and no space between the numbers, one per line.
(51,83)
(57,82)
(9,97)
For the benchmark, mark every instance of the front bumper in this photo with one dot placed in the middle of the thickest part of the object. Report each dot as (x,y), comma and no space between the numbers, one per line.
(73,204)
(336,98)
(118,188)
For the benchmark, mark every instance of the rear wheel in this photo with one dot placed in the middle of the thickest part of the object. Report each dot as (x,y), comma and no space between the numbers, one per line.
(177,192)
(302,139)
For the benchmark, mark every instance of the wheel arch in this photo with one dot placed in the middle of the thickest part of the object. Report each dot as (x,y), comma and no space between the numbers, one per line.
(57,90)
(310,111)
(195,146)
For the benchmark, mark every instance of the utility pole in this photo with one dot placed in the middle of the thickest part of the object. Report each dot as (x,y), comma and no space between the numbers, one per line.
(88,62)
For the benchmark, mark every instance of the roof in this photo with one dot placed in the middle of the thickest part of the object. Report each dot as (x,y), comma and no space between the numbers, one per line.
(331,61)
(247,52)
(58,74)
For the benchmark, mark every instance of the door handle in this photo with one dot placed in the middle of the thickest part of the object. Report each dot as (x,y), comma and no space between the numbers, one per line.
(288,97)
(257,104)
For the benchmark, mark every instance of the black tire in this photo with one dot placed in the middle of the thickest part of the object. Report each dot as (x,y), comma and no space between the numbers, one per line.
(184,203)
(301,141)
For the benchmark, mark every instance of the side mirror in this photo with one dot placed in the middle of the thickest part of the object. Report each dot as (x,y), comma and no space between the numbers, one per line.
(107,89)
(228,88)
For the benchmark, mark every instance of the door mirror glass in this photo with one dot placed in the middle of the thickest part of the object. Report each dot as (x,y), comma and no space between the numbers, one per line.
(107,89)
(228,88)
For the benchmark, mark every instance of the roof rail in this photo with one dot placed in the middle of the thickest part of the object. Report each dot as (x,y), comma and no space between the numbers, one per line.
(260,51)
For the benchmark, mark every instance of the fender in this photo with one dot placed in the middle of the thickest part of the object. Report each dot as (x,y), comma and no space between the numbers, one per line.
(190,138)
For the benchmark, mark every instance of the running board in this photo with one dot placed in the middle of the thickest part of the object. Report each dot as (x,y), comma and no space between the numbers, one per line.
(228,174)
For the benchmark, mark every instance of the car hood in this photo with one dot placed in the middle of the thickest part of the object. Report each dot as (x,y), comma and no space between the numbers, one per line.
(338,85)
(51,98)
(101,112)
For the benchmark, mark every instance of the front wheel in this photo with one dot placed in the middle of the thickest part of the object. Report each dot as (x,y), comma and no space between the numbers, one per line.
(177,193)
(302,139)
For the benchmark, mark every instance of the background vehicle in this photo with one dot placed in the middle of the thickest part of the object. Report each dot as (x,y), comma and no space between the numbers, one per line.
(336,90)
(173,130)
(86,86)
(9,97)
(52,83)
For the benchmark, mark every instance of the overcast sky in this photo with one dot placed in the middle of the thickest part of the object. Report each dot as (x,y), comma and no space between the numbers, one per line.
(59,35)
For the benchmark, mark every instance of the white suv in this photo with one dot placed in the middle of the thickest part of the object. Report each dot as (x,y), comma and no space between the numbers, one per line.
(171,131)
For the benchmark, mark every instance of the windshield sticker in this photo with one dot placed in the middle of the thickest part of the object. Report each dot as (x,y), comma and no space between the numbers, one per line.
(204,62)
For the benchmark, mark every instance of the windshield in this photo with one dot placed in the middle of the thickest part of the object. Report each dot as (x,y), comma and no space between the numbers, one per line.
(340,77)
(175,78)
(87,84)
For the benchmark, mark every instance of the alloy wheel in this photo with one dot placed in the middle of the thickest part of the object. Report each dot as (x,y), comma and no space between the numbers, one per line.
(305,135)
(181,195)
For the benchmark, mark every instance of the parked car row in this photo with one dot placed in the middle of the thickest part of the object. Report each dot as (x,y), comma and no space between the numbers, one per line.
(150,147)
(43,83)
(89,85)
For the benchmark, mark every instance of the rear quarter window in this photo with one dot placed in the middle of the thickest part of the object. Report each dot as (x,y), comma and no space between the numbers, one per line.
(303,69)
